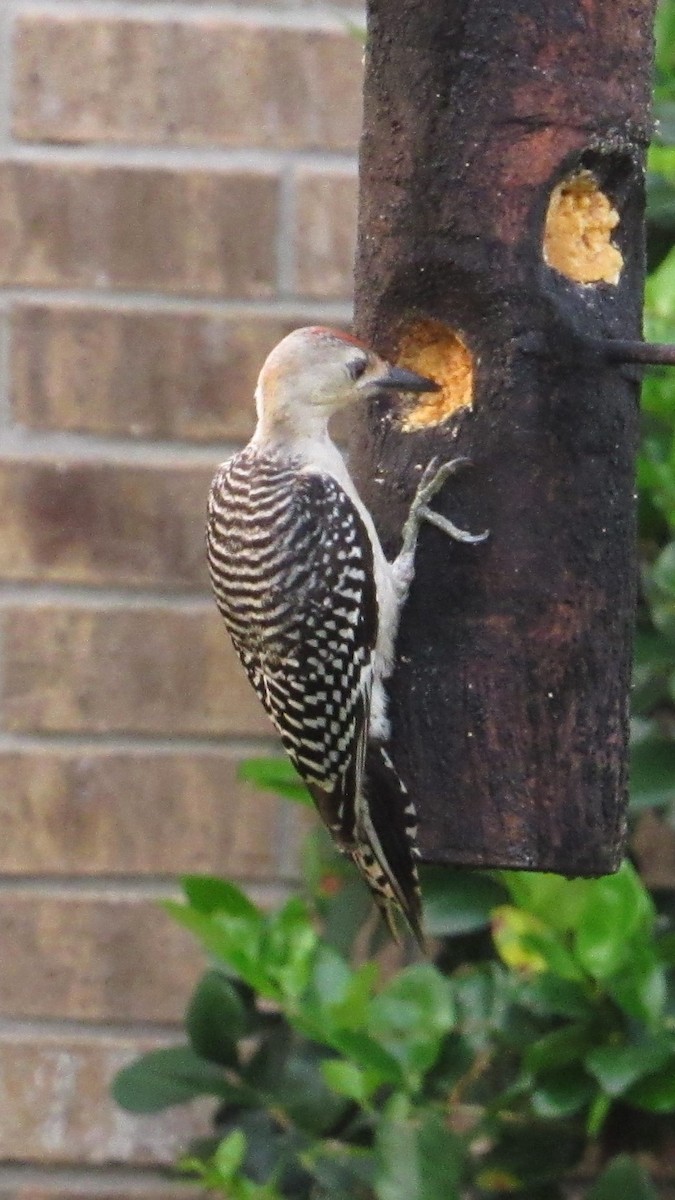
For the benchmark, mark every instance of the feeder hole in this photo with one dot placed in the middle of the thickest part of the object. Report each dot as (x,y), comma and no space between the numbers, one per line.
(433,349)
(578,231)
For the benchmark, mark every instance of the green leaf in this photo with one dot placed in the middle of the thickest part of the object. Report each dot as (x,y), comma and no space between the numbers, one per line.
(230,1155)
(550,995)
(660,200)
(458,902)
(172,1075)
(623,1179)
(597,1115)
(615,907)
(207,894)
(348,1080)
(342,1172)
(665,948)
(331,977)
(664,36)
(652,773)
(559,1048)
(235,941)
(417,1158)
(660,293)
(663,570)
(639,988)
(349,1009)
(554,901)
(366,1052)
(288,948)
(412,1016)
(216,1019)
(275,775)
(526,944)
(484,997)
(664,113)
(512,932)
(616,1068)
(454,1060)
(423,995)
(656,1093)
(561,1093)
(288,1073)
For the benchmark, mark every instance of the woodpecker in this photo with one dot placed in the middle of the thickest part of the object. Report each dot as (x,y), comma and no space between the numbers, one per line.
(311,603)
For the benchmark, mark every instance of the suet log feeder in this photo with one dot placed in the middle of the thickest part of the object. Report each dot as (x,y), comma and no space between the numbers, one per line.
(501,252)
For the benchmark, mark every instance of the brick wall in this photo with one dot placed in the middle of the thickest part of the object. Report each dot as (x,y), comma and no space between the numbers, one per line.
(177,187)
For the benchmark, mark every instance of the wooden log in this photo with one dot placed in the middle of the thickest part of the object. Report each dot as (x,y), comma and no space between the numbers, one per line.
(500,247)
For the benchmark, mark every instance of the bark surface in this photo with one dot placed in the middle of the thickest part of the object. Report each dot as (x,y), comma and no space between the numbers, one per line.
(510,698)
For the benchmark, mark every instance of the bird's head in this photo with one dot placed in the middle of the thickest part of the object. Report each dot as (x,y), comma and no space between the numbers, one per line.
(314,372)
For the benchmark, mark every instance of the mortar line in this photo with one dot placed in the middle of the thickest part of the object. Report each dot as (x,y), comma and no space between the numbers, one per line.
(21,443)
(46,594)
(49,1028)
(87,1179)
(288,307)
(158,156)
(222,746)
(322,18)
(121,888)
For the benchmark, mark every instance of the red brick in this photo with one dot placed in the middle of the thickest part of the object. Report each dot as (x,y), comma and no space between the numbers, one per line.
(157,375)
(103,956)
(145,1186)
(149,671)
(210,82)
(56,1109)
(104,524)
(326,233)
(190,231)
(110,813)
(272,5)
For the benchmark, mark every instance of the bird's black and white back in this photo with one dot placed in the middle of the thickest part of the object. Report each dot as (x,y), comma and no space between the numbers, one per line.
(312,605)
(292,573)
(291,566)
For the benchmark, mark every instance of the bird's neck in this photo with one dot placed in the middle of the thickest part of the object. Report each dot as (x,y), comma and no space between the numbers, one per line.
(297,431)
(309,444)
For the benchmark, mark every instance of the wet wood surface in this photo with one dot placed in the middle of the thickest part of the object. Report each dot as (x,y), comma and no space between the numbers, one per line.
(510,699)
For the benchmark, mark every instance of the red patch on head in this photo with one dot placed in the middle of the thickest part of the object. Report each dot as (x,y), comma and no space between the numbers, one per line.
(336,334)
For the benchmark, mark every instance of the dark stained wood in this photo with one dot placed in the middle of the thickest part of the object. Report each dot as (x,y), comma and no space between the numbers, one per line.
(510,698)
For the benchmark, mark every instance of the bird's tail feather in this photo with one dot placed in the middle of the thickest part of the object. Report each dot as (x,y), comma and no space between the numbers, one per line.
(387,853)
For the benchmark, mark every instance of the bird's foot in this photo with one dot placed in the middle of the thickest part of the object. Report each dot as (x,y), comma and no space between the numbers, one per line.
(431,482)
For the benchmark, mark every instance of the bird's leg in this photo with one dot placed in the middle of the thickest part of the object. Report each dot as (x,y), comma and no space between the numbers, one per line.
(431,482)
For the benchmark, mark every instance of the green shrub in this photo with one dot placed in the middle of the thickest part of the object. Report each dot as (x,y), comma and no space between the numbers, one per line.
(544,1026)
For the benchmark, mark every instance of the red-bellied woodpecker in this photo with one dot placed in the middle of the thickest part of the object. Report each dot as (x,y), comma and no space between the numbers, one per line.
(311,603)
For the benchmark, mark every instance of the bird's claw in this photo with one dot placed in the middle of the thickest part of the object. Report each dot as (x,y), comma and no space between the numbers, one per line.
(432,481)
(458,535)
(434,476)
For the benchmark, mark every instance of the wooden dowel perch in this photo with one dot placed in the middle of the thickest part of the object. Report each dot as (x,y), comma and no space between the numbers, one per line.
(502,198)
(624,350)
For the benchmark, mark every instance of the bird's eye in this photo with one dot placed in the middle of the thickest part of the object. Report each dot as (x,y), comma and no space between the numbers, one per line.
(356,367)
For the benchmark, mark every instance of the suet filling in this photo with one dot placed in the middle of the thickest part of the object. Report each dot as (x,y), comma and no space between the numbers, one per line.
(578,232)
(434,350)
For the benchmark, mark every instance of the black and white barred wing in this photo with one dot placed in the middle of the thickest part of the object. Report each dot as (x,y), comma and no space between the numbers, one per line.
(292,570)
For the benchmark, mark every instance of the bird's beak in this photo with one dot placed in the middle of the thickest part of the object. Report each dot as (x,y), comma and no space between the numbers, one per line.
(399,379)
